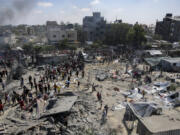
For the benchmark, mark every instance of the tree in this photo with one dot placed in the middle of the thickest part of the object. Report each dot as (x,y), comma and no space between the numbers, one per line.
(81,35)
(37,50)
(136,35)
(48,48)
(116,33)
(172,87)
(28,48)
(157,37)
(62,44)
(96,45)
(72,47)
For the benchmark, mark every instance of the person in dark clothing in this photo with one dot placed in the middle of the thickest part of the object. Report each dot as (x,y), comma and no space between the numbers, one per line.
(22,82)
(78,84)
(77,73)
(5,97)
(30,79)
(45,88)
(69,78)
(1,80)
(40,88)
(6,72)
(93,88)
(3,85)
(55,87)
(31,83)
(35,85)
(99,96)
(35,81)
(21,103)
(67,84)
(106,109)
(49,87)
(83,74)
(1,107)
(70,73)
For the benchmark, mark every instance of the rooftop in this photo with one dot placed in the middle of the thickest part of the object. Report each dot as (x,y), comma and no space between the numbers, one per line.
(154,61)
(154,52)
(172,60)
(170,120)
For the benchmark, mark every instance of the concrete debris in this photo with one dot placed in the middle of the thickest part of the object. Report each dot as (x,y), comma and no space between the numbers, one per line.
(56,106)
(70,97)
(119,107)
(101,76)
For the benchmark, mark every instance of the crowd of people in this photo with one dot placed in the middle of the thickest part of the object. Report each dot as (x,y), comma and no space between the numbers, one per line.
(38,88)
(44,86)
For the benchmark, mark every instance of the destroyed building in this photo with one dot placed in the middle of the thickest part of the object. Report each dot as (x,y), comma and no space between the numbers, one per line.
(152,120)
(171,64)
(169,28)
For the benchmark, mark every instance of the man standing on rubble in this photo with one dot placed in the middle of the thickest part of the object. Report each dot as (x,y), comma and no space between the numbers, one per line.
(35,85)
(83,74)
(1,107)
(93,87)
(55,87)
(99,97)
(22,82)
(143,93)
(49,87)
(78,84)
(31,83)
(77,73)
(30,79)
(3,85)
(106,109)
(67,83)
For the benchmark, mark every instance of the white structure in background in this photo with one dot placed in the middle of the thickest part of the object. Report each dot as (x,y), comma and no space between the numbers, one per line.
(56,33)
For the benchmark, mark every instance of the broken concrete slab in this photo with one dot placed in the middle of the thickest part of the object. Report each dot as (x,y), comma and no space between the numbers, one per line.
(58,105)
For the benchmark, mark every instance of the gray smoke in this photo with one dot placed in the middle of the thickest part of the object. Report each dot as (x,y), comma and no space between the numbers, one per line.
(13,10)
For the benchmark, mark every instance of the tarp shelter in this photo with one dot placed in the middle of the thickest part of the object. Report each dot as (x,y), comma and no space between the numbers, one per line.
(154,52)
(171,64)
(154,62)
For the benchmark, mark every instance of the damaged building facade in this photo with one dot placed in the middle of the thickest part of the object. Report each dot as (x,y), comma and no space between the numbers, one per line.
(152,120)
(94,27)
(169,28)
(57,33)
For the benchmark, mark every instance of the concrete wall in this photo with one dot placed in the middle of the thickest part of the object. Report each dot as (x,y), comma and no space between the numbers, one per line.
(52,59)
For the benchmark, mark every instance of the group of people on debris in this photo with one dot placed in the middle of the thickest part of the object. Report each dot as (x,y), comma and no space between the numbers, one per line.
(3,74)
(42,88)
(38,89)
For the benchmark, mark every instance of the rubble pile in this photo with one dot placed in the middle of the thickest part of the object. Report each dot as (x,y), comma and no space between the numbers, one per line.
(90,101)
(85,117)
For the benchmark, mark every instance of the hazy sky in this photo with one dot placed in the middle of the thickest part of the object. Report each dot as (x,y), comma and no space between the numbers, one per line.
(143,11)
